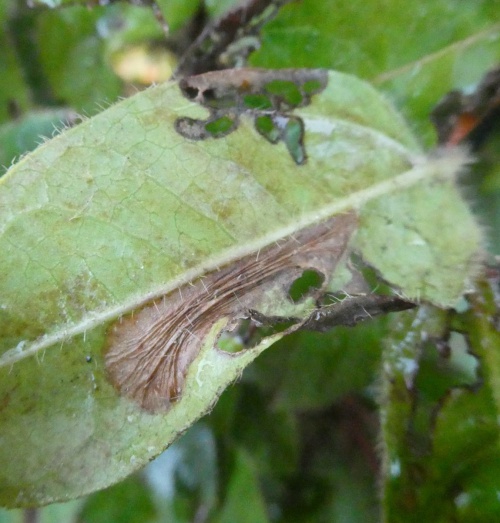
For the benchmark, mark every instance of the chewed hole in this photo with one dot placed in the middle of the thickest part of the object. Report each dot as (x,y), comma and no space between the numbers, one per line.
(312,86)
(249,332)
(209,94)
(286,90)
(234,341)
(305,285)
(267,128)
(190,92)
(220,126)
(257,101)
(293,137)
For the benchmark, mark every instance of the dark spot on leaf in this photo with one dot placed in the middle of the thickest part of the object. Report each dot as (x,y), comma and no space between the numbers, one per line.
(209,95)
(215,127)
(190,128)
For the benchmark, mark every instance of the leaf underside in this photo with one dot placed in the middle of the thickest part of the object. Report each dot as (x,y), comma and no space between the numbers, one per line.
(128,245)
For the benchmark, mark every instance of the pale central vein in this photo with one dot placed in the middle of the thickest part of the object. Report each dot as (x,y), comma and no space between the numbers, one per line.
(442,167)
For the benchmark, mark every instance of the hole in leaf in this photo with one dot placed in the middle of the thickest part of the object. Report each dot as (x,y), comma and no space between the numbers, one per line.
(220,126)
(219,100)
(302,287)
(190,92)
(286,90)
(235,340)
(248,333)
(312,86)
(257,101)
(293,137)
(209,94)
(267,128)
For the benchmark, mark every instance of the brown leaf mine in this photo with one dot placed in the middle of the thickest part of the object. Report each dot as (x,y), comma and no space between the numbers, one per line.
(150,351)
(268,97)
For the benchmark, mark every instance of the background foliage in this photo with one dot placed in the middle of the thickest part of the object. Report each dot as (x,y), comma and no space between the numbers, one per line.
(297,439)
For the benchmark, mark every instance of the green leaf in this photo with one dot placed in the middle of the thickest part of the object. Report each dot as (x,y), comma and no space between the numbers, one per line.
(269,434)
(13,89)
(416,52)
(129,242)
(243,502)
(55,512)
(72,57)
(307,31)
(440,417)
(178,12)
(184,478)
(309,370)
(25,134)
(131,502)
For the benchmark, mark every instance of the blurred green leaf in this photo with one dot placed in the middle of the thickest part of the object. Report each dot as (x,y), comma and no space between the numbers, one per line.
(310,370)
(127,502)
(184,479)
(483,186)
(72,56)
(243,500)
(328,34)
(178,12)
(269,433)
(218,7)
(439,422)
(57,512)
(14,94)
(414,51)
(123,24)
(417,86)
(25,134)
(334,479)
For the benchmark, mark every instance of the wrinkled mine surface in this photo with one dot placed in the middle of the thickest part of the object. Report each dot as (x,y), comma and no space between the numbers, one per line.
(150,351)
(269,97)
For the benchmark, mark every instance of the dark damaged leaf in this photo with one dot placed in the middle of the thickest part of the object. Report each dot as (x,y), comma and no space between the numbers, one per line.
(440,413)
(268,97)
(128,245)
(229,40)
(470,118)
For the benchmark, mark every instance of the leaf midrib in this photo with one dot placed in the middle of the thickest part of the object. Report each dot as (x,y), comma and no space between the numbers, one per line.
(444,166)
